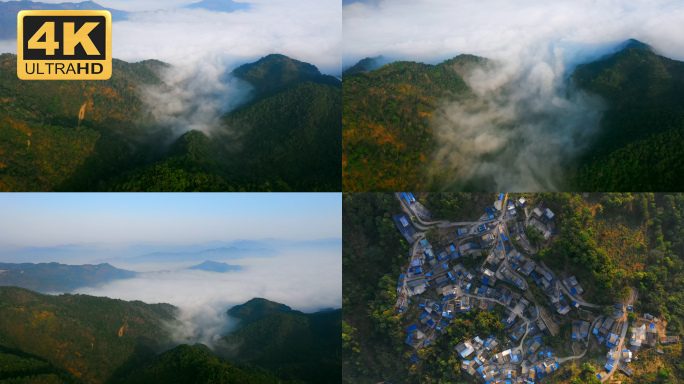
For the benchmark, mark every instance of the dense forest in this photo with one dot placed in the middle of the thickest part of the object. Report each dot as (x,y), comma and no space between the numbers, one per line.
(388,139)
(639,148)
(610,242)
(85,339)
(294,345)
(285,138)
(88,339)
(197,364)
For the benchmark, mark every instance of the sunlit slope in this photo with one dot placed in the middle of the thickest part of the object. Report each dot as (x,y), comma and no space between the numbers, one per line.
(43,146)
(95,339)
(387,138)
(285,137)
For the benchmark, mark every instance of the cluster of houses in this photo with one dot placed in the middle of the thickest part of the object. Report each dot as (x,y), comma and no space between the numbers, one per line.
(544,279)
(644,335)
(460,290)
(580,330)
(486,360)
(607,331)
(544,220)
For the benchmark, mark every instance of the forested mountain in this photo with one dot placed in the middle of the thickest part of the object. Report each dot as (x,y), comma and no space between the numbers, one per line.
(85,339)
(54,277)
(387,137)
(295,345)
(643,128)
(286,137)
(80,338)
(197,365)
(367,64)
(388,141)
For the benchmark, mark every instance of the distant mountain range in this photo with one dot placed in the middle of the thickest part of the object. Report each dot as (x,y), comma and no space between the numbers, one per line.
(54,277)
(213,266)
(218,254)
(88,253)
(86,339)
(285,138)
(389,142)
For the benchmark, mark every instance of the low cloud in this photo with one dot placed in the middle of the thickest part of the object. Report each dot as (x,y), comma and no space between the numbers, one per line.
(520,131)
(306,280)
(528,123)
(194,96)
(309,31)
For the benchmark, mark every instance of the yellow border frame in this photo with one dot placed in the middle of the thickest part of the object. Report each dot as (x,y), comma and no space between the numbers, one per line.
(106,63)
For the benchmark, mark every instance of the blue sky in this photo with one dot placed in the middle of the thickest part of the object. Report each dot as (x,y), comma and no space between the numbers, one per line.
(48,219)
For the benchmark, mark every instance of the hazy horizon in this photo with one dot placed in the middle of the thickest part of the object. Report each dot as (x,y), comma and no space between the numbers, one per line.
(302,231)
(50,220)
(308,31)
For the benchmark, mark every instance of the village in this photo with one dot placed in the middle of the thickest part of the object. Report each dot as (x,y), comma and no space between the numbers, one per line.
(438,280)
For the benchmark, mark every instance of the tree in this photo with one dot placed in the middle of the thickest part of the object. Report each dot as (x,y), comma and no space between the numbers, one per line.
(432,235)
(631,317)
(535,236)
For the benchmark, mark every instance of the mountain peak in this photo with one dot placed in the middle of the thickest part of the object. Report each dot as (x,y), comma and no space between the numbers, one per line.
(635,44)
(277,70)
(366,65)
(256,309)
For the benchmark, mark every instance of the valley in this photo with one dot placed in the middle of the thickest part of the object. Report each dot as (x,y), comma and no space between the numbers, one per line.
(410,125)
(84,339)
(281,137)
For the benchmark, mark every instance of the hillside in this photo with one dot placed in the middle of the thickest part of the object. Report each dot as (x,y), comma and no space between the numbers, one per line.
(643,128)
(388,142)
(286,138)
(364,65)
(387,138)
(54,277)
(81,338)
(85,339)
(197,365)
(295,345)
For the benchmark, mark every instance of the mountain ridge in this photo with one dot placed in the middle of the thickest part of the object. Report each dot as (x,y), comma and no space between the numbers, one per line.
(389,143)
(283,139)
(55,277)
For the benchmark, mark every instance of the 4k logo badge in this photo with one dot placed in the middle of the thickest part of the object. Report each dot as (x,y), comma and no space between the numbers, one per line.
(64,45)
